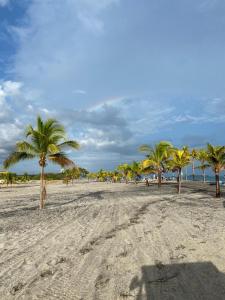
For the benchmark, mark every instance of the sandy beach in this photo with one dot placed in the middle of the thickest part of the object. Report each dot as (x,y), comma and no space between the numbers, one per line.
(112,242)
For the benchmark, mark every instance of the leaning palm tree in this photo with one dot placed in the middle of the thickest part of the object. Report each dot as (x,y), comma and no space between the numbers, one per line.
(202,157)
(156,158)
(180,159)
(216,159)
(45,142)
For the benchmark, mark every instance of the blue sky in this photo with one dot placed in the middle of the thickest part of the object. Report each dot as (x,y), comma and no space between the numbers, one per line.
(117,73)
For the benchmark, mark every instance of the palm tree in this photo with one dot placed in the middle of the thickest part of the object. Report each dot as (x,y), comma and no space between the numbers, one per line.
(135,170)
(180,159)
(102,175)
(202,157)
(91,175)
(194,156)
(156,157)
(10,178)
(45,142)
(124,168)
(115,176)
(216,159)
(71,174)
(147,170)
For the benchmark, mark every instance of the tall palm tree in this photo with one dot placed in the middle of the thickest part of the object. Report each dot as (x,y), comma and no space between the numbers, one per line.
(202,157)
(45,142)
(194,156)
(156,157)
(216,159)
(180,159)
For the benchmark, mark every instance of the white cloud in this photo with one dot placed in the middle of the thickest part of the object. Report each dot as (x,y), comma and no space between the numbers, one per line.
(7,90)
(12,88)
(9,132)
(17,109)
(4,2)
(4,108)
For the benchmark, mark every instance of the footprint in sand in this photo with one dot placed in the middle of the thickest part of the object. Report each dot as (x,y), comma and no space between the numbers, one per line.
(101,281)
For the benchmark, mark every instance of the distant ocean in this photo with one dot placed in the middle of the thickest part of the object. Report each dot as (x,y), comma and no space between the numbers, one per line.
(208,178)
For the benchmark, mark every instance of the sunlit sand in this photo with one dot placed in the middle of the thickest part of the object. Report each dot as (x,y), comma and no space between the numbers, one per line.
(112,241)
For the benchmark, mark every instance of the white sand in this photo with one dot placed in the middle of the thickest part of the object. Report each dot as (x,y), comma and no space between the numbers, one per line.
(112,241)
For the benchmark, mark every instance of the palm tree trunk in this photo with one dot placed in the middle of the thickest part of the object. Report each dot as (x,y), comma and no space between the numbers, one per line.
(146,182)
(217,177)
(204,175)
(193,170)
(42,188)
(179,181)
(159,178)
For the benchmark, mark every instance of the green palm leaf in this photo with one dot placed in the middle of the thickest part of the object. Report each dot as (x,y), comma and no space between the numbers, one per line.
(15,157)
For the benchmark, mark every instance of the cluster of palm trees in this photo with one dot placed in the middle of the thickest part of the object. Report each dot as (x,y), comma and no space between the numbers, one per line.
(164,157)
(72,173)
(103,175)
(48,140)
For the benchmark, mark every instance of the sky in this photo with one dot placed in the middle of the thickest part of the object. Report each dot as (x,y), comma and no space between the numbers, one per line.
(116,73)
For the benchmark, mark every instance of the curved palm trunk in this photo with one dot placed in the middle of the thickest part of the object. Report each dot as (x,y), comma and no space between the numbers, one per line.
(42,188)
(159,179)
(179,181)
(217,177)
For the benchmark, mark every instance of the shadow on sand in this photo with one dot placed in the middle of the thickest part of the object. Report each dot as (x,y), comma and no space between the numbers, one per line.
(188,281)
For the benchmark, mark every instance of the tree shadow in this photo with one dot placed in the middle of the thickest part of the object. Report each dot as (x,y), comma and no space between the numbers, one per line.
(187,281)
(21,209)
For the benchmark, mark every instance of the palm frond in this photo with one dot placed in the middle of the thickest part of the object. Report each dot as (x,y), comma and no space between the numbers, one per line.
(203,166)
(149,163)
(52,148)
(71,144)
(145,148)
(24,146)
(61,159)
(40,124)
(29,130)
(15,157)
(53,127)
